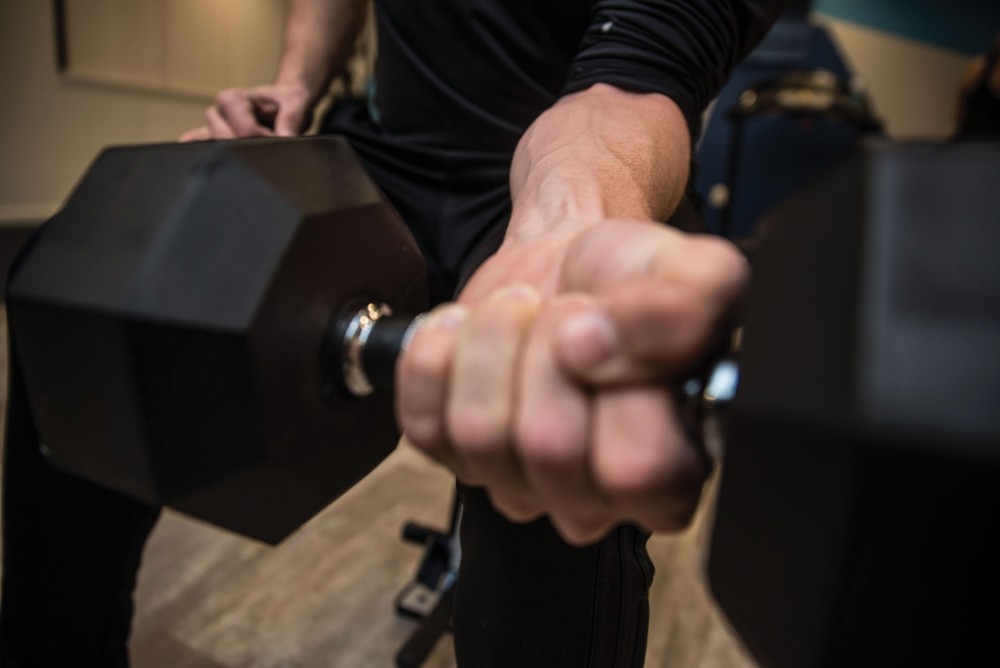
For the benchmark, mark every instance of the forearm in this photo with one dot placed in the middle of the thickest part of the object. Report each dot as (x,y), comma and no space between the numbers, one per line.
(604,153)
(319,37)
(597,154)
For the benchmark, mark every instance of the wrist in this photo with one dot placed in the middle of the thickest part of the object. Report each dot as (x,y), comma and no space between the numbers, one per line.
(300,81)
(598,154)
(559,203)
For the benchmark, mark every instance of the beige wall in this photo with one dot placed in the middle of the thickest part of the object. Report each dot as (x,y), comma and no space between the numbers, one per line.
(913,86)
(51,128)
(189,47)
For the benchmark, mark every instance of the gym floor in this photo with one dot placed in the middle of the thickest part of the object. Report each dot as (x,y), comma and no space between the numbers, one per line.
(325,597)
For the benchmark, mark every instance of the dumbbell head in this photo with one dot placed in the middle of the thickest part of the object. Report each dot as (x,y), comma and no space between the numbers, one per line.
(861,478)
(172,324)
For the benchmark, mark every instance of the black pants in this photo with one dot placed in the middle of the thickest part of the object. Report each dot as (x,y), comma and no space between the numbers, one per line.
(524,598)
(71,550)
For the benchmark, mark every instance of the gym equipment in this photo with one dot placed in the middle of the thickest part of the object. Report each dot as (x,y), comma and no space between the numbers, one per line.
(177,324)
(196,325)
(814,117)
(751,156)
(861,477)
(430,596)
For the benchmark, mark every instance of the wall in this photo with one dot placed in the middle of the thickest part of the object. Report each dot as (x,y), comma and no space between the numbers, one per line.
(912,84)
(963,26)
(911,54)
(190,47)
(51,128)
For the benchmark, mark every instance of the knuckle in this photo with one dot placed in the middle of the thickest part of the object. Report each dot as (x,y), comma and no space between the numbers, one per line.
(475,429)
(422,364)
(581,532)
(542,441)
(228,96)
(626,477)
(515,510)
(424,432)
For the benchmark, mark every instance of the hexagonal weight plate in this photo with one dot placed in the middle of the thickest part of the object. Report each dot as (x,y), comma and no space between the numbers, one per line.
(861,477)
(170,321)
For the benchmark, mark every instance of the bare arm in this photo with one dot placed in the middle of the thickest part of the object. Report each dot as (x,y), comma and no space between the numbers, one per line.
(319,36)
(600,153)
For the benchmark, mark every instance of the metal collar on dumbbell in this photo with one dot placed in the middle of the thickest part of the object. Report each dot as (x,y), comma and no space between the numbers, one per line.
(716,385)
(356,334)
(358,330)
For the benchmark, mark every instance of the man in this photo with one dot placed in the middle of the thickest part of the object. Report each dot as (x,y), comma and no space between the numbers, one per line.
(550,137)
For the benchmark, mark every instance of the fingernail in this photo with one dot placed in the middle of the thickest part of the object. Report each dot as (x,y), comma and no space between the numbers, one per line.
(589,339)
(447,317)
(441,318)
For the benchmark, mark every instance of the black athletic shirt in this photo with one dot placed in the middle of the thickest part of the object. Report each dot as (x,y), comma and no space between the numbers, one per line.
(477,72)
(459,81)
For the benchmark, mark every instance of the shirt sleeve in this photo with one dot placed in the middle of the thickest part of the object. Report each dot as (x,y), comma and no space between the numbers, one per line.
(682,49)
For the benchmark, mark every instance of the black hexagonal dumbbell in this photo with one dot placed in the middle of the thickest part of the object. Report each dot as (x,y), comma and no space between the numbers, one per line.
(174,322)
(860,484)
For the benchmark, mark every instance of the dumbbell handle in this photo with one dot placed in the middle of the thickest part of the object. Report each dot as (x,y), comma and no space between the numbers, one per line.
(366,340)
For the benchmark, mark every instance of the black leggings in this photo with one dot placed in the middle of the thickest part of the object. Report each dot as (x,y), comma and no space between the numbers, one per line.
(71,550)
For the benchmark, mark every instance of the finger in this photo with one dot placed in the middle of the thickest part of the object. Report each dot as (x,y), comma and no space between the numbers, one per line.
(519,507)
(552,432)
(639,332)
(217,125)
(479,412)
(422,373)
(290,120)
(265,109)
(581,532)
(197,134)
(665,298)
(236,109)
(642,459)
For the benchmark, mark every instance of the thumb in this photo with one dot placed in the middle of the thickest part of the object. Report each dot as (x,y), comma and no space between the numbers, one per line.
(660,301)
(642,331)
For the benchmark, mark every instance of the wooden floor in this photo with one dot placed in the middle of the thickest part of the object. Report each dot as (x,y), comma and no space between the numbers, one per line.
(209,599)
